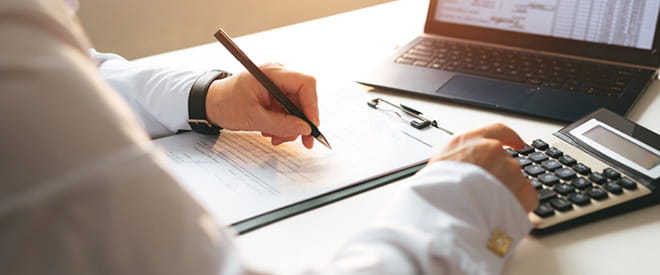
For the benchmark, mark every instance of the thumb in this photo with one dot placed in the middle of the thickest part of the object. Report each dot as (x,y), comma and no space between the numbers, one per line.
(283,124)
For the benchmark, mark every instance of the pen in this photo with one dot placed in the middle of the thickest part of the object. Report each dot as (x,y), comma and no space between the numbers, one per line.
(274,91)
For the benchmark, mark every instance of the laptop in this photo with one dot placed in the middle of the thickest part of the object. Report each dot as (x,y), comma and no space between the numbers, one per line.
(559,61)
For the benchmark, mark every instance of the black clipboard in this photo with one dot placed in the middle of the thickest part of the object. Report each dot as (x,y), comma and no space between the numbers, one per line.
(273,216)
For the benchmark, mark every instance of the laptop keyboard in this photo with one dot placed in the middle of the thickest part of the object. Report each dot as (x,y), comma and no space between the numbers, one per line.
(515,66)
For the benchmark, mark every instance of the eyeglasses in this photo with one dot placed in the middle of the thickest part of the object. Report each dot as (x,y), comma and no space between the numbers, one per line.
(413,117)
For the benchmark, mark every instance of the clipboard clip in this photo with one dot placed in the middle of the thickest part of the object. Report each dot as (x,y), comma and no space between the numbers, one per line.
(419,121)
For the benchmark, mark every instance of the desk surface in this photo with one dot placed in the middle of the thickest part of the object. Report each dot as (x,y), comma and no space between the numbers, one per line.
(335,49)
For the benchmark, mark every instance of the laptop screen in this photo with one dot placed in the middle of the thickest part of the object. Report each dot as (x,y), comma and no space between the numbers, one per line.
(628,23)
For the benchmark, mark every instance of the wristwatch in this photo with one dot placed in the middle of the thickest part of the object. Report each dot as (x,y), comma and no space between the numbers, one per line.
(197,102)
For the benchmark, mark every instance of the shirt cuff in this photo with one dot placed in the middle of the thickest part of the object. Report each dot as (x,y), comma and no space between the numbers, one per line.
(445,216)
(472,195)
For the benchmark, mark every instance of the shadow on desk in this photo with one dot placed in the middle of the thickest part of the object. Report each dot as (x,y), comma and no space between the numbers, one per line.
(621,222)
(555,253)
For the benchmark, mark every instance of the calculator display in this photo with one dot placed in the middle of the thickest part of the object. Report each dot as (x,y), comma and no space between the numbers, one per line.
(623,147)
(619,146)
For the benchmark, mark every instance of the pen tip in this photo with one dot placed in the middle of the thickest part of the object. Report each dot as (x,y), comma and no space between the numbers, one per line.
(324,141)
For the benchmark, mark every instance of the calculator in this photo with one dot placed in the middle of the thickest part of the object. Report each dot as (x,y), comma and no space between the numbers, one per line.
(596,167)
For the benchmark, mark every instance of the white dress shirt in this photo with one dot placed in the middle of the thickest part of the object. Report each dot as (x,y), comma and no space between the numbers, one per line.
(84,191)
(157,95)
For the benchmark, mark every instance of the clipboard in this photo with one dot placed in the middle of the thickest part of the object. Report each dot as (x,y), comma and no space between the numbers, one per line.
(246,183)
(273,216)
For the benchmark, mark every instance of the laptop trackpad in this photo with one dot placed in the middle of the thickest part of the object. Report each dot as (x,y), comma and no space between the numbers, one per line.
(491,93)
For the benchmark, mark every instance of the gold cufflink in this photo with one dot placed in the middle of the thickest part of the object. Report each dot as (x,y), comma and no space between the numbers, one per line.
(499,242)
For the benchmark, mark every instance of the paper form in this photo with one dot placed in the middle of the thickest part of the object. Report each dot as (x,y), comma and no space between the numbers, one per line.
(240,175)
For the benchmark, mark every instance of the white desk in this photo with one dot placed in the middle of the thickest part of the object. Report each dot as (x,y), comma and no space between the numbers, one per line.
(334,49)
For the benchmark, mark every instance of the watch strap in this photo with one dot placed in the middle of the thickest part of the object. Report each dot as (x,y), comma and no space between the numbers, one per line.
(197,102)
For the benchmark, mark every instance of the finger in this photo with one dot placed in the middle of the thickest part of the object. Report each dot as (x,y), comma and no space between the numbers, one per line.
(266,135)
(299,87)
(521,186)
(279,140)
(527,197)
(310,112)
(282,124)
(269,65)
(274,105)
(308,141)
(503,133)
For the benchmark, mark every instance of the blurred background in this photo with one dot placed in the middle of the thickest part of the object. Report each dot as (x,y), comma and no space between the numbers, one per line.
(138,28)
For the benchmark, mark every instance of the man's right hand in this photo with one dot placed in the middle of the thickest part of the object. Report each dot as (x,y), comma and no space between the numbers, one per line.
(240,102)
(484,147)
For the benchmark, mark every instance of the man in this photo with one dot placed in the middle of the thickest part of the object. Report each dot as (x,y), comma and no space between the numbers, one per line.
(83,190)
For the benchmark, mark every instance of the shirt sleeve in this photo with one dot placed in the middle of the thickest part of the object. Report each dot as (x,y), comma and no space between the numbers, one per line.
(157,95)
(440,223)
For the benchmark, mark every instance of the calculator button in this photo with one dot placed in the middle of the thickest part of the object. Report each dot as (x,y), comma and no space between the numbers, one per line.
(534,170)
(540,144)
(536,183)
(511,152)
(523,161)
(564,189)
(554,152)
(544,210)
(537,157)
(597,193)
(580,183)
(611,174)
(597,178)
(613,188)
(551,165)
(582,169)
(565,173)
(567,160)
(627,183)
(548,179)
(545,194)
(561,204)
(527,150)
(579,198)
